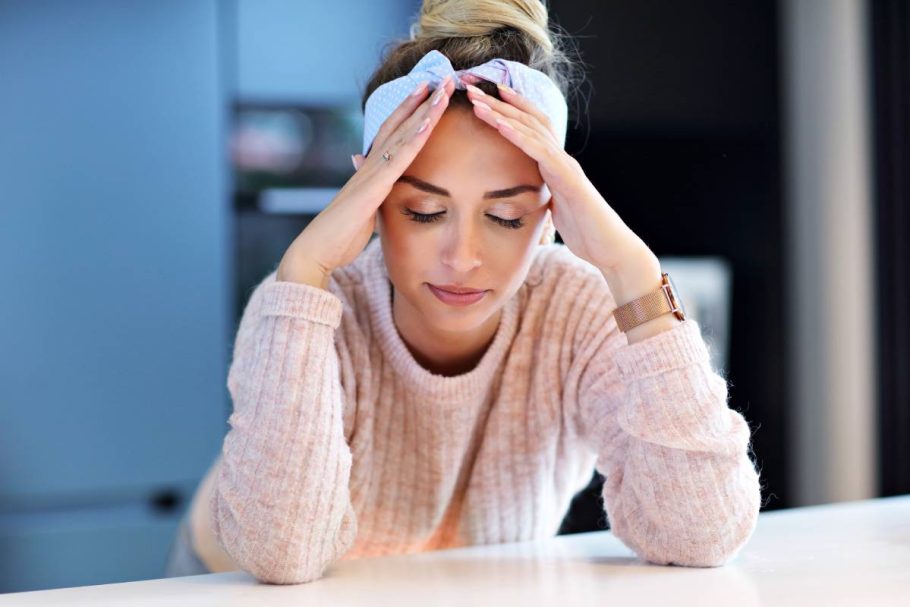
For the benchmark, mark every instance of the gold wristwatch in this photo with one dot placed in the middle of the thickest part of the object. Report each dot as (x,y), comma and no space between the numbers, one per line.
(656,303)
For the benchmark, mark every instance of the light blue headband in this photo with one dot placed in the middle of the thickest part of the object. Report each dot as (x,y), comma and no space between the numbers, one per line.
(434,66)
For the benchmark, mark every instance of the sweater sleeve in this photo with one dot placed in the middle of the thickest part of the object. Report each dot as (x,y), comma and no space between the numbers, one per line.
(680,487)
(281,505)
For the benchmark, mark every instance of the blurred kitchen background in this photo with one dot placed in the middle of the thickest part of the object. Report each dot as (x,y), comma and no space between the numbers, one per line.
(157,158)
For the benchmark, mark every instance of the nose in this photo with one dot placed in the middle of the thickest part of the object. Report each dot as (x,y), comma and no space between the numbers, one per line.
(461,249)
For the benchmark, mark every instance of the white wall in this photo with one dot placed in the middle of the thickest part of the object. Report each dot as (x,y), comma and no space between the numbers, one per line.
(831,291)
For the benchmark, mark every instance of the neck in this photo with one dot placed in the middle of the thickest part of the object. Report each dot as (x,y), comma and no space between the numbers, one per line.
(442,352)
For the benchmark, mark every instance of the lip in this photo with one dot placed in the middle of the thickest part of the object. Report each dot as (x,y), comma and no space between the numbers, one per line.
(456,299)
(457,290)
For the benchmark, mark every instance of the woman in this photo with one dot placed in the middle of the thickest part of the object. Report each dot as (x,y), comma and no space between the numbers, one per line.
(378,411)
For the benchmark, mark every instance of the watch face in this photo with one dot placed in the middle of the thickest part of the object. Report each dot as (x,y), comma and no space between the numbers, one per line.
(676,295)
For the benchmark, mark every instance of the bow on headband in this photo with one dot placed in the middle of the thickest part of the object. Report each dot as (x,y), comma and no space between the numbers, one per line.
(434,67)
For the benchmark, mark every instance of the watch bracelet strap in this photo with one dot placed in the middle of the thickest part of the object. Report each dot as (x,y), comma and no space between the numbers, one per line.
(641,310)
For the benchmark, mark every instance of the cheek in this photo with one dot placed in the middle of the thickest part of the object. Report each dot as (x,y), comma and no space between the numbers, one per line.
(509,253)
(405,248)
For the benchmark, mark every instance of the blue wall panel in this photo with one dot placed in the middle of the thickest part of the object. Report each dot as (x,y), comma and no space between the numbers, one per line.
(114,223)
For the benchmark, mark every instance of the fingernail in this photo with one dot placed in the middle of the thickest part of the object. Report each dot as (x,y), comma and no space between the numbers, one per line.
(475,90)
(480,104)
(354,162)
(503,87)
(423,125)
(439,93)
(419,89)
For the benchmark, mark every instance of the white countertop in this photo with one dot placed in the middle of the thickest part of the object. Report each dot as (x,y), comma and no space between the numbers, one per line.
(850,553)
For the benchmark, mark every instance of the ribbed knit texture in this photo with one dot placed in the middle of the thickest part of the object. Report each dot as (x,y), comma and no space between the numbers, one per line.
(342,446)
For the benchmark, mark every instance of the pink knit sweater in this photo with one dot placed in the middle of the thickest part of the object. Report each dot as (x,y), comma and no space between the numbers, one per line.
(342,446)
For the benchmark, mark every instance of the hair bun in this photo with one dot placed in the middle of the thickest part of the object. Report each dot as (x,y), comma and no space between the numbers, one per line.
(441,19)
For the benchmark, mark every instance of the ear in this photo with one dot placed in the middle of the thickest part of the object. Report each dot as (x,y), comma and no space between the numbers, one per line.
(377,222)
(549,231)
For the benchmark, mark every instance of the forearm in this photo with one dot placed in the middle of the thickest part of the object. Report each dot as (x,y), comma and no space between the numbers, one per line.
(308,275)
(639,275)
(685,488)
(281,502)
(680,507)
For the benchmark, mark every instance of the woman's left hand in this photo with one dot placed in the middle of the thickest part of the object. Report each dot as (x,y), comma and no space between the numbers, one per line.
(590,228)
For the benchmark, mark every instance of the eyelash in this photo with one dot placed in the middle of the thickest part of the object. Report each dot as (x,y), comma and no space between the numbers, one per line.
(513,224)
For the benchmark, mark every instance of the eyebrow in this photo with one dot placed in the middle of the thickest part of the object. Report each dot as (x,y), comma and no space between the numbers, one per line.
(435,189)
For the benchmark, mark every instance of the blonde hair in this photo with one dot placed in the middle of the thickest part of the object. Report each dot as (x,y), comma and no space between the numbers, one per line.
(471,32)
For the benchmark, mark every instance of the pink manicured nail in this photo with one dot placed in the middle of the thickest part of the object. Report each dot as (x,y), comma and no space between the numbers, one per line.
(475,90)
(419,89)
(424,125)
(439,94)
(504,124)
(482,106)
(506,89)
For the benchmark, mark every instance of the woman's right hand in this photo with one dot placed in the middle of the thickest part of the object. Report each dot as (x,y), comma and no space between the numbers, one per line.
(339,233)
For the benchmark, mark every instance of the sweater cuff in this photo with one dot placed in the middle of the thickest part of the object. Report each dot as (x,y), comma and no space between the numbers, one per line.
(284,298)
(671,349)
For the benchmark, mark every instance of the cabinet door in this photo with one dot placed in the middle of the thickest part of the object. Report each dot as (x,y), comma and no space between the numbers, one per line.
(114,300)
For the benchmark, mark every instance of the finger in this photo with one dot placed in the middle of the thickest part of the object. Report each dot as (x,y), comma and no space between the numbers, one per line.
(401,113)
(403,131)
(486,113)
(469,78)
(412,134)
(518,100)
(517,107)
(358,161)
(530,140)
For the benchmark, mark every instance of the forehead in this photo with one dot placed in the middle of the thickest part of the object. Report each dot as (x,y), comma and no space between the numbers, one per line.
(463,151)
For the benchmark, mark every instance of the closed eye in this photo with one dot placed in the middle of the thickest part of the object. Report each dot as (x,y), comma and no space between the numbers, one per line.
(431,217)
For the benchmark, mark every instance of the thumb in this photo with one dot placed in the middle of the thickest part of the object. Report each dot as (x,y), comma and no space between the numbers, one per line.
(357,159)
